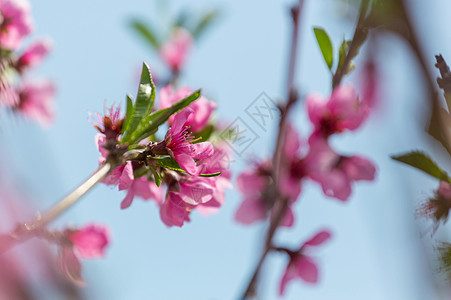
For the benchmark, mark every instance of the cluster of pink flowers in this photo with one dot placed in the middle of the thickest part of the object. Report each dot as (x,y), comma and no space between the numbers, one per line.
(186,187)
(320,163)
(32,100)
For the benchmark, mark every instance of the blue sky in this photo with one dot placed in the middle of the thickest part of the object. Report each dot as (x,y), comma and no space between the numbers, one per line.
(377,251)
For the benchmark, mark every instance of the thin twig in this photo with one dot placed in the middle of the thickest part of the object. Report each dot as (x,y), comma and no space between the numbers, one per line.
(281,203)
(360,34)
(25,231)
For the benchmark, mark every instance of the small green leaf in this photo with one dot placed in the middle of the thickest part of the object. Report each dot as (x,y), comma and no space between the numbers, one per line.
(150,123)
(342,52)
(128,114)
(325,45)
(210,175)
(422,162)
(145,32)
(156,176)
(144,102)
(205,22)
(168,163)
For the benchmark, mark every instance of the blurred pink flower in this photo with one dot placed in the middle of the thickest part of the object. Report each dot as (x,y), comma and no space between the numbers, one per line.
(37,101)
(34,54)
(303,266)
(335,172)
(253,184)
(178,143)
(202,108)
(85,243)
(175,51)
(90,241)
(343,110)
(15,23)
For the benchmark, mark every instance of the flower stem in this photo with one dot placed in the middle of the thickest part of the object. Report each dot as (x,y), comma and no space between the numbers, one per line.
(27,230)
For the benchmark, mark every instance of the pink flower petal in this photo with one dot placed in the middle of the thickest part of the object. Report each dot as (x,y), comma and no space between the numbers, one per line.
(127,201)
(69,265)
(90,241)
(174,211)
(318,238)
(306,269)
(358,168)
(250,211)
(126,178)
(187,163)
(180,119)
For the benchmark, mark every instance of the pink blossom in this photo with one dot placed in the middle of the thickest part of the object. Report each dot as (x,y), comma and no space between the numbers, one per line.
(335,172)
(343,110)
(15,23)
(34,54)
(174,52)
(303,266)
(124,178)
(178,143)
(37,101)
(90,241)
(253,183)
(174,211)
(202,107)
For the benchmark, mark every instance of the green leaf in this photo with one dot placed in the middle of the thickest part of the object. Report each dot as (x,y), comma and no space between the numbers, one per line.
(144,102)
(210,175)
(204,134)
(342,52)
(128,114)
(150,123)
(325,45)
(145,32)
(422,162)
(156,176)
(168,163)
(205,22)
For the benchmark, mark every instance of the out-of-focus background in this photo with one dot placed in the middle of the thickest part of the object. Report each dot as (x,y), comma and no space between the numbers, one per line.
(378,251)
